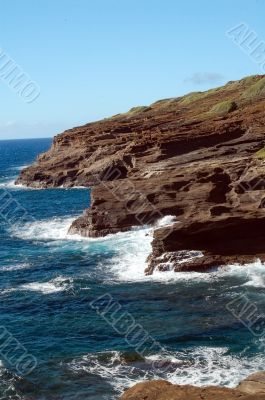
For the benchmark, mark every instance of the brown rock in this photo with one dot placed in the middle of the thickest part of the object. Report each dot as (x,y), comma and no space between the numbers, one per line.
(193,157)
(254,384)
(162,390)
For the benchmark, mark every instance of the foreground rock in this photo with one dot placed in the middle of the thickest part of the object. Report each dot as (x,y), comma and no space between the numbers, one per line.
(198,158)
(162,390)
(254,384)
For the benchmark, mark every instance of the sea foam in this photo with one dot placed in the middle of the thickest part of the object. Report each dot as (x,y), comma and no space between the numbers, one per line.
(131,250)
(200,366)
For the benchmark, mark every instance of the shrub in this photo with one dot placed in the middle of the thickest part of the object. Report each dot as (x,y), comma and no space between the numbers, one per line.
(260,153)
(193,96)
(224,107)
(256,90)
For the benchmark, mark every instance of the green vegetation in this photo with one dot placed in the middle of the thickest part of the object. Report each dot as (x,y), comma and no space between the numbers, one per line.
(191,97)
(132,111)
(137,109)
(161,102)
(256,90)
(243,82)
(253,86)
(249,80)
(260,153)
(224,107)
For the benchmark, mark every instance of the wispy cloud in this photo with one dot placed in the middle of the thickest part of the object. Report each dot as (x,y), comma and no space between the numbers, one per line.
(7,124)
(200,78)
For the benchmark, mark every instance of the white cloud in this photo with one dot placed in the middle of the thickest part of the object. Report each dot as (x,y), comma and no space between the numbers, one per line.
(200,78)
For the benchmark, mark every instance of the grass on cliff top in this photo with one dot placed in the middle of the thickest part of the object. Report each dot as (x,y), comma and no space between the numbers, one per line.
(260,153)
(132,111)
(251,86)
(161,102)
(242,82)
(255,90)
(224,107)
(193,96)
(137,109)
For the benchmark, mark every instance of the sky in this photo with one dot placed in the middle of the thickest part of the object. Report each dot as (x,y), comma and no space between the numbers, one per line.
(90,59)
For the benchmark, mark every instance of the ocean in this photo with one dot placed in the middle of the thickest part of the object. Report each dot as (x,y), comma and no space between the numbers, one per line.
(50,285)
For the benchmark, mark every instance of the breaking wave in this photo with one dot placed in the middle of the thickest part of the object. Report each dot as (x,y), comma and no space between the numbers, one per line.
(58,284)
(131,250)
(201,366)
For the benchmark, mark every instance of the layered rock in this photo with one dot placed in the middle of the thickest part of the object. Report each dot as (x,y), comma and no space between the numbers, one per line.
(250,389)
(198,158)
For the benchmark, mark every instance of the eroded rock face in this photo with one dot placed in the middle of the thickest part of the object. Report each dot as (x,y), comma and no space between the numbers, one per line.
(194,157)
(163,390)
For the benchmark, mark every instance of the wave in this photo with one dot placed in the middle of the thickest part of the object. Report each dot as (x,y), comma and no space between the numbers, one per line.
(53,229)
(201,366)
(50,229)
(19,167)
(58,284)
(166,221)
(134,247)
(15,267)
(10,184)
(131,250)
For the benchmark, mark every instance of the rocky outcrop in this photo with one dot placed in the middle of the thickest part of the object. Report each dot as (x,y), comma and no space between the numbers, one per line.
(254,384)
(250,389)
(198,158)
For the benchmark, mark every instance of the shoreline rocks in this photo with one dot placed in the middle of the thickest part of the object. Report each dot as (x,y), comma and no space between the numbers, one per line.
(252,388)
(190,157)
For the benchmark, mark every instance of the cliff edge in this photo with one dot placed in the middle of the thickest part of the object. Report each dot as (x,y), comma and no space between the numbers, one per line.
(199,158)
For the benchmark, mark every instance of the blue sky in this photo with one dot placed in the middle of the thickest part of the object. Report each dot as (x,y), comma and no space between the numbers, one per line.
(93,59)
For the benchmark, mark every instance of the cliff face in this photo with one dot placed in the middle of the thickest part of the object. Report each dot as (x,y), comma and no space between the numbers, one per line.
(198,158)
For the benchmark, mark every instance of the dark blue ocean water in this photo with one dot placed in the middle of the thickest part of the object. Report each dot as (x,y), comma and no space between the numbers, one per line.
(48,280)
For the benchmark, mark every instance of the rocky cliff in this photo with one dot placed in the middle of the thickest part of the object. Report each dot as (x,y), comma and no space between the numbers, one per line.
(198,158)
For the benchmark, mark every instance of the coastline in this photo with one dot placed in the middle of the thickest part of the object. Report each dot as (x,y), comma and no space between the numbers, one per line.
(251,388)
(185,157)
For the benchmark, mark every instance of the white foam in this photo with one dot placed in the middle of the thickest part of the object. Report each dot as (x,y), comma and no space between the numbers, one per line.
(9,184)
(200,366)
(15,267)
(7,291)
(54,229)
(252,273)
(112,369)
(50,229)
(20,167)
(71,187)
(132,249)
(166,221)
(58,284)
(214,366)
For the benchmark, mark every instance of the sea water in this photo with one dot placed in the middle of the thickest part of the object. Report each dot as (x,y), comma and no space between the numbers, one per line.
(48,280)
